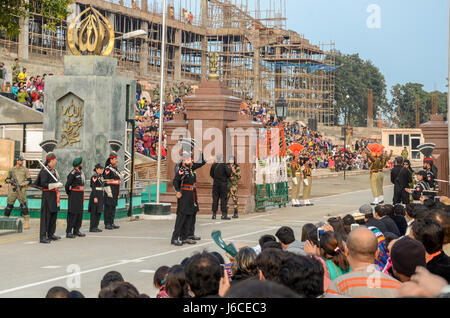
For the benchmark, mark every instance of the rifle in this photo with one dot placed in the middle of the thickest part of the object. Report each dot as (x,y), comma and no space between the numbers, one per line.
(17,187)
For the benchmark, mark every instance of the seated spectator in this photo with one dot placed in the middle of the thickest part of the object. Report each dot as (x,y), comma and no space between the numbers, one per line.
(57,292)
(332,248)
(111,277)
(254,289)
(366,209)
(348,221)
(399,218)
(15,89)
(364,280)
(443,217)
(203,275)
(244,265)
(431,234)
(75,294)
(381,215)
(425,284)
(159,281)
(406,255)
(302,274)
(176,286)
(288,242)
(119,290)
(22,96)
(272,244)
(268,263)
(338,227)
(39,104)
(262,240)
(23,76)
(382,261)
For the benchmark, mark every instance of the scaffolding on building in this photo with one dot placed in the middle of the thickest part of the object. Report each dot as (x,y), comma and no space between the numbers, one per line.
(259,59)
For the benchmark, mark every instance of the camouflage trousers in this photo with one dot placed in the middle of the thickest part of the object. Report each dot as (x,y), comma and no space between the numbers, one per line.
(233,195)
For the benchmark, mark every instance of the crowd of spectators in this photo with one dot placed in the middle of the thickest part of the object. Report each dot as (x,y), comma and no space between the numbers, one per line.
(25,89)
(391,252)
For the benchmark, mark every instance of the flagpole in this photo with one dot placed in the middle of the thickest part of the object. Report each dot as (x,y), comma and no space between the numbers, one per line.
(161,102)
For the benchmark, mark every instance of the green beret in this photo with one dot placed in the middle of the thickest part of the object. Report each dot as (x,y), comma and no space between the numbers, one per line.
(77,162)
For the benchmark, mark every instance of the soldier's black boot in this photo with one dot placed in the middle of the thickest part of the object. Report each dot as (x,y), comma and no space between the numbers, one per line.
(8,210)
(225,217)
(214,215)
(235,215)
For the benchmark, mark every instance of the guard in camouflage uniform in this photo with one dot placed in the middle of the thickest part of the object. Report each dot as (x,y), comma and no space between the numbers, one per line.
(234,181)
(378,162)
(19,178)
(307,181)
(15,71)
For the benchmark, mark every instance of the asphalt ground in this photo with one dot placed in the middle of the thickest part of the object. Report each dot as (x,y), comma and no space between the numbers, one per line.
(138,248)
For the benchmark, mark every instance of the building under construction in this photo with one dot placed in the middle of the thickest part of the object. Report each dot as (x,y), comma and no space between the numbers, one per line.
(259,59)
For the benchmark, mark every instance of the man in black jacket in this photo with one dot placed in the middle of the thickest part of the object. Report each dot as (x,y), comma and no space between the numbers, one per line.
(400,177)
(381,215)
(366,209)
(221,173)
(75,191)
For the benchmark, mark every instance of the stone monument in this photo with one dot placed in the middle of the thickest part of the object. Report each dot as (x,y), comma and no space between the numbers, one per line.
(87,106)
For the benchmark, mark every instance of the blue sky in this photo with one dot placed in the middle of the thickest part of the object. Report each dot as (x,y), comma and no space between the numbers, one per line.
(410,46)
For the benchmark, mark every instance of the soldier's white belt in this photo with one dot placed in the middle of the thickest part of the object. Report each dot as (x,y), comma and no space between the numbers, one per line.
(99,189)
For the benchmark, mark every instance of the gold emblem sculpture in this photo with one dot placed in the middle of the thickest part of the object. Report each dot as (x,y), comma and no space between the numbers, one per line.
(72,123)
(93,35)
(213,60)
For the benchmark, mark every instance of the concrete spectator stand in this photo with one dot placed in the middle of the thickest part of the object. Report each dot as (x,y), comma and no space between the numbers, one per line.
(212,106)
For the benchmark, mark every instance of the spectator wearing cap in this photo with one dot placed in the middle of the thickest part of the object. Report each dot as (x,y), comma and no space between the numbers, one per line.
(406,255)
(367,210)
(431,234)
(364,281)
(285,236)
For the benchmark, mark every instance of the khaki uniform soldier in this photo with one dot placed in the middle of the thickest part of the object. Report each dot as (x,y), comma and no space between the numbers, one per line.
(378,162)
(307,182)
(404,154)
(296,181)
(19,178)
(234,181)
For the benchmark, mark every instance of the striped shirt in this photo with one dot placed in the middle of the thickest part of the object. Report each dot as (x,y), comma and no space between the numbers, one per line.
(365,282)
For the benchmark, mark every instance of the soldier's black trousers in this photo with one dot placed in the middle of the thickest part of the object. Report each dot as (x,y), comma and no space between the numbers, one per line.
(220,192)
(48,224)
(74,221)
(400,196)
(183,226)
(95,220)
(110,212)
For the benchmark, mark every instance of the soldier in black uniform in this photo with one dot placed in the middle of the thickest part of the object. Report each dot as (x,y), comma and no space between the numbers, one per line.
(75,191)
(111,175)
(431,171)
(50,198)
(422,188)
(400,177)
(221,173)
(96,198)
(185,187)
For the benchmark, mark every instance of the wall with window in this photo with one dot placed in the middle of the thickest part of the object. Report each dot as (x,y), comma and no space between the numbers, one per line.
(397,139)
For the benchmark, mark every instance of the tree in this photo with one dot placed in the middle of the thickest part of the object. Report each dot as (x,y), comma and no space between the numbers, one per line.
(403,104)
(355,78)
(54,12)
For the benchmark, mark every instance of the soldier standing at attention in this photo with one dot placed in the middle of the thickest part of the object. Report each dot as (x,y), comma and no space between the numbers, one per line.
(19,178)
(96,198)
(48,180)
(378,162)
(75,191)
(307,181)
(404,153)
(296,180)
(220,172)
(185,186)
(111,176)
(234,181)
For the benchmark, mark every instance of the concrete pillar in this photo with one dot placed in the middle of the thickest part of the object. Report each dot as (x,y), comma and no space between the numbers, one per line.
(23,52)
(144,5)
(143,62)
(204,13)
(257,75)
(177,71)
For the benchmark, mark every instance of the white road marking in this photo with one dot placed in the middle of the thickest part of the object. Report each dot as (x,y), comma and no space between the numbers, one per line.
(131,237)
(10,290)
(131,261)
(352,192)
(30,242)
(147,271)
(51,267)
(236,220)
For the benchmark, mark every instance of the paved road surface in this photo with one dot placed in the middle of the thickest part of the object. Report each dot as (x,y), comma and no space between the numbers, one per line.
(137,249)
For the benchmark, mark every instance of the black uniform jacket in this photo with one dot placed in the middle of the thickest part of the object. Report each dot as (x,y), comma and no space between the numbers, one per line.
(50,198)
(75,191)
(185,182)
(96,192)
(112,173)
